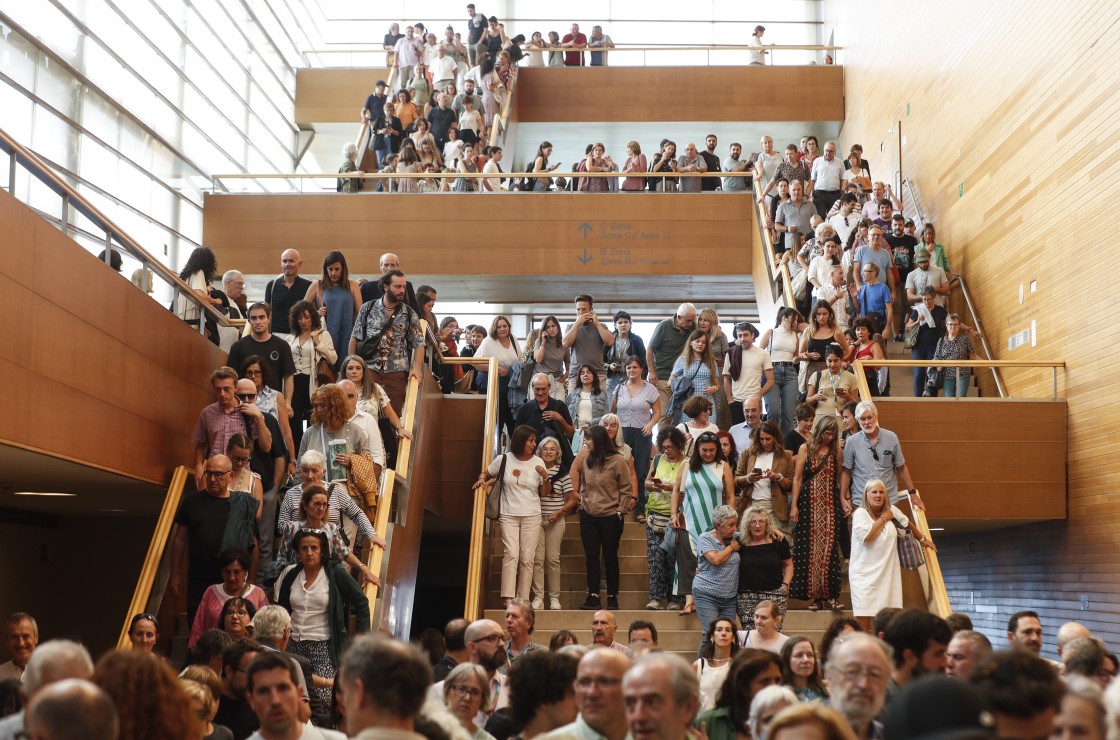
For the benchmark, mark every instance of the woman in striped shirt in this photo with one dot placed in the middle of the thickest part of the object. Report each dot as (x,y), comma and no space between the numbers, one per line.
(555,506)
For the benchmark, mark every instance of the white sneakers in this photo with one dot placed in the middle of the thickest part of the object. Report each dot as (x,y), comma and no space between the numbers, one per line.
(538,603)
(554,604)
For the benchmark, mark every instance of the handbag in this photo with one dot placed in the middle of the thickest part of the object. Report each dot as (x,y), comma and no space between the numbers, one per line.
(465,384)
(657,523)
(910,554)
(494,497)
(911,336)
(528,370)
(799,284)
(324,372)
(362,480)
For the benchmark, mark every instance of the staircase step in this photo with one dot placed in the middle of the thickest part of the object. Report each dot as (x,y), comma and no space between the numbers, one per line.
(574,581)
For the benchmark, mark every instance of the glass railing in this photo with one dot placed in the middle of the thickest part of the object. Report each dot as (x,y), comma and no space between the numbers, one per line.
(620,55)
(113,237)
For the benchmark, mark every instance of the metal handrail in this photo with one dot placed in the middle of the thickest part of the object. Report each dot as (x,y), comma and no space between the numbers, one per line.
(920,220)
(150,568)
(21,156)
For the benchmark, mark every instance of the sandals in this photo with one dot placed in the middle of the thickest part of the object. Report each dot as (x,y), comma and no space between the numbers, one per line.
(815,606)
(688,609)
(835,605)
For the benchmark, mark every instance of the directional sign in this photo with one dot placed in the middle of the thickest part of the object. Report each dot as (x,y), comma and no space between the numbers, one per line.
(585,228)
(585,258)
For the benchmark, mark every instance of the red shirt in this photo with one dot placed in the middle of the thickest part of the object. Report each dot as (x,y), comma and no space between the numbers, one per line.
(574,58)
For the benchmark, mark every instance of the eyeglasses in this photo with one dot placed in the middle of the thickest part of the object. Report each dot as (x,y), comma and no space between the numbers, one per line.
(245,396)
(470,691)
(216,473)
(240,459)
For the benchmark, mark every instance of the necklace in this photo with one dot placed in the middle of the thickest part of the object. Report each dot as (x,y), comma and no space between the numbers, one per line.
(716,662)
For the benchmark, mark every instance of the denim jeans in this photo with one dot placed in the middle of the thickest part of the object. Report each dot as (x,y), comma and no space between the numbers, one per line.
(781,400)
(641,446)
(954,387)
(710,607)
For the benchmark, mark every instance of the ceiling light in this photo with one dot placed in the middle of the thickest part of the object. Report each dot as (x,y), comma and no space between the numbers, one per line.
(43,493)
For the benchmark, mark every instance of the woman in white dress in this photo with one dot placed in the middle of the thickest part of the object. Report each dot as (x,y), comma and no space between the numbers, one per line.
(874,571)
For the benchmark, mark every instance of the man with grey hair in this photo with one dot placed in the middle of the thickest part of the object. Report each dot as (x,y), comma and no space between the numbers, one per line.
(382,683)
(666,345)
(602,711)
(53,661)
(967,649)
(272,628)
(1084,656)
(548,416)
(858,671)
(72,709)
(21,635)
(874,453)
(662,695)
(233,285)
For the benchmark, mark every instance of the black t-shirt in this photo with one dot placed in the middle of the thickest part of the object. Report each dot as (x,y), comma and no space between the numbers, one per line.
(793,441)
(712,161)
(760,566)
(375,104)
(392,39)
(274,352)
(264,463)
(441,120)
(902,250)
(204,517)
(282,298)
(238,716)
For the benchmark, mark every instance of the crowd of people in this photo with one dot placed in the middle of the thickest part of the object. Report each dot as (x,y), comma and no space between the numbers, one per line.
(911,676)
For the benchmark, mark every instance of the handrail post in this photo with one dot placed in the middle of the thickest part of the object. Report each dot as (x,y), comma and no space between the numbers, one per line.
(12,172)
(66,217)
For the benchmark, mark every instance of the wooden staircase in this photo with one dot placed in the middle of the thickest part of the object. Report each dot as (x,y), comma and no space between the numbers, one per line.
(675,633)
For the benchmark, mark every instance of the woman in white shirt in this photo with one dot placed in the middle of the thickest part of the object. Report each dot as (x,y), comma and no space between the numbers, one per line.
(320,594)
(781,399)
(309,342)
(502,346)
(524,480)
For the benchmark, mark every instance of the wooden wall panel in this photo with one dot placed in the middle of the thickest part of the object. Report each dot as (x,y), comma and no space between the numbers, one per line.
(967,471)
(461,429)
(502,234)
(1027,119)
(681,94)
(97,371)
(334,95)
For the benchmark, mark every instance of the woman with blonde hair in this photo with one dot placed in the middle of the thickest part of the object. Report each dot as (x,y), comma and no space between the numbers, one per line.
(696,364)
(874,571)
(765,567)
(708,322)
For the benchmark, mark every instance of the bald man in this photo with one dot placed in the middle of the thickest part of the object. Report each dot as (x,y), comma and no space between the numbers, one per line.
(602,710)
(202,520)
(283,292)
(485,641)
(73,709)
(372,289)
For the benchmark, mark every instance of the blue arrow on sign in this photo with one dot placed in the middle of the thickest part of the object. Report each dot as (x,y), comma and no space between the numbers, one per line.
(586,257)
(584,227)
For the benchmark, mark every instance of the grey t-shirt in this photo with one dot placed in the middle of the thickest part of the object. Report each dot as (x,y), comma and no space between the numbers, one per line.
(788,213)
(733,183)
(588,348)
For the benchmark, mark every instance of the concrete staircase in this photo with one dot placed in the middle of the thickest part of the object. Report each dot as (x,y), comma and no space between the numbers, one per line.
(675,633)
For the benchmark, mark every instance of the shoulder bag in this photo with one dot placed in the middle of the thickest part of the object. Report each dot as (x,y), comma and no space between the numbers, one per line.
(494,497)
(528,369)
(324,371)
(910,554)
(911,336)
